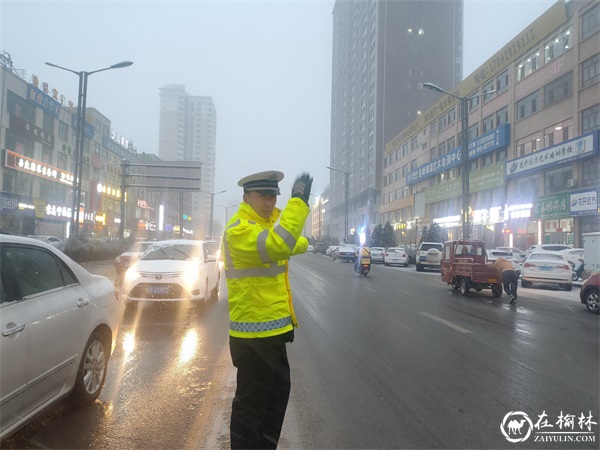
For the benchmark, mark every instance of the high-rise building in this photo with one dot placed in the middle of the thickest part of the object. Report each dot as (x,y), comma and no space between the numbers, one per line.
(188,129)
(383,50)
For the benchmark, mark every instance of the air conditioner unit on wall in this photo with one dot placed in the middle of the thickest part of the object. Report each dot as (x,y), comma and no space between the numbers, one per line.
(571,182)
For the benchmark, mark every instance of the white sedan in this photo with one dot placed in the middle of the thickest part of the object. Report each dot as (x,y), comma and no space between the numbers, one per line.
(175,270)
(395,256)
(546,268)
(59,324)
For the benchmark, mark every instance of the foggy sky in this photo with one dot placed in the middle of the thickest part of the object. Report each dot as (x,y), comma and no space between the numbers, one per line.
(266,65)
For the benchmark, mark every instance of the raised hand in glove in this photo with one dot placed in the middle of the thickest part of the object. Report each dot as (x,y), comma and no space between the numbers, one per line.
(301,188)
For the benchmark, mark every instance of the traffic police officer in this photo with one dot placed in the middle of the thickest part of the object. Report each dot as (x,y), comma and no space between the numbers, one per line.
(262,319)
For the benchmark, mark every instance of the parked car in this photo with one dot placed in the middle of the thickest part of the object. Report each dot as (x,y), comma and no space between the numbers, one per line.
(590,293)
(328,251)
(517,253)
(493,255)
(59,324)
(573,255)
(546,268)
(129,256)
(310,248)
(429,255)
(53,241)
(174,270)
(377,255)
(320,247)
(347,253)
(395,256)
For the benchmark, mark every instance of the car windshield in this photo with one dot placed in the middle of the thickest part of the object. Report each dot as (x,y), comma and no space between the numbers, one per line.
(139,247)
(377,249)
(178,252)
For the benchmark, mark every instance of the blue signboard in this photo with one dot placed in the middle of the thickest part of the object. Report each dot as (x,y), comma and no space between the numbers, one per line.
(580,147)
(42,100)
(117,149)
(486,143)
(88,128)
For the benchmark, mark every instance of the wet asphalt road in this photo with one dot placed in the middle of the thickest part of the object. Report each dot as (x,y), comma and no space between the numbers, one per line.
(394,360)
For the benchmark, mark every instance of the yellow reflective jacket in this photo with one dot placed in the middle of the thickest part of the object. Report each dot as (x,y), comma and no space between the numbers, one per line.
(256,253)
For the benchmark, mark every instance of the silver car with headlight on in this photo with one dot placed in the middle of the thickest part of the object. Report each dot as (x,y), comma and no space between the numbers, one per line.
(174,270)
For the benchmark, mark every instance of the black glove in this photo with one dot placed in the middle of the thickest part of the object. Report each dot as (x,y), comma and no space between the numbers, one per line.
(301,188)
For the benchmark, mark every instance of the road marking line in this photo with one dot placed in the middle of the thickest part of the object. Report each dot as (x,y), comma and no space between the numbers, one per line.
(445,322)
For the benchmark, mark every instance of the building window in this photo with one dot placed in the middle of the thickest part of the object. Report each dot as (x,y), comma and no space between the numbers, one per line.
(590,172)
(559,89)
(488,159)
(528,65)
(433,154)
(590,71)
(528,105)
(473,131)
(442,148)
(442,122)
(502,116)
(489,91)
(526,189)
(590,119)
(488,123)
(452,116)
(433,129)
(451,143)
(558,133)
(474,101)
(590,22)
(502,81)
(556,180)
(414,144)
(413,165)
(405,149)
(63,131)
(557,46)
(501,155)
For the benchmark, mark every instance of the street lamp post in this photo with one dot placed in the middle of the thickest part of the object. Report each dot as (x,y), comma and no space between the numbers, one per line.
(347,181)
(81,100)
(464,147)
(227,212)
(212,201)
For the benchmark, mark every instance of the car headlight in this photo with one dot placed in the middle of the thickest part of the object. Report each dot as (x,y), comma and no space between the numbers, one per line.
(131,274)
(191,275)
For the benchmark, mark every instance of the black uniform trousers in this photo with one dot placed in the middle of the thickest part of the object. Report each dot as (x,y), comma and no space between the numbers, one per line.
(262,393)
(509,280)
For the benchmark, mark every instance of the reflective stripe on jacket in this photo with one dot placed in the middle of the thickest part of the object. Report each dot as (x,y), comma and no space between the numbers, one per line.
(255,252)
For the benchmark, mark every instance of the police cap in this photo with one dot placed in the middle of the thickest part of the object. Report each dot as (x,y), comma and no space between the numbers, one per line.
(264,182)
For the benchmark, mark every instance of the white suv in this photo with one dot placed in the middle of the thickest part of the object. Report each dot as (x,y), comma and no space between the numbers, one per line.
(429,255)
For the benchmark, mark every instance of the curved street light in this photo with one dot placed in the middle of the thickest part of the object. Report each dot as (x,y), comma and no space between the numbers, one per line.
(81,100)
(227,212)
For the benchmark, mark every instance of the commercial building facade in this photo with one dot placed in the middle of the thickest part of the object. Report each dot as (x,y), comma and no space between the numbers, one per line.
(533,121)
(38,141)
(382,50)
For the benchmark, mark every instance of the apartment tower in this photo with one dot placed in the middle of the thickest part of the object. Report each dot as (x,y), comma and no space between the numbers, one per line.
(383,51)
(188,129)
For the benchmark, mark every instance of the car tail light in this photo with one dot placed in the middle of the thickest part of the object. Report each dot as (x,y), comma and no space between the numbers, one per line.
(528,264)
(566,267)
(387,254)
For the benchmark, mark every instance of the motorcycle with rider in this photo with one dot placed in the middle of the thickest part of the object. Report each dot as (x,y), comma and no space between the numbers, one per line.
(362,265)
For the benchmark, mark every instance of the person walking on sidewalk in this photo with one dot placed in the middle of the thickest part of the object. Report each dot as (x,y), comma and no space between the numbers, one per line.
(257,243)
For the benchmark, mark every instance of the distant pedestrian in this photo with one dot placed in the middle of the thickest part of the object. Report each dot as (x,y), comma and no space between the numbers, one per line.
(509,278)
(262,319)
